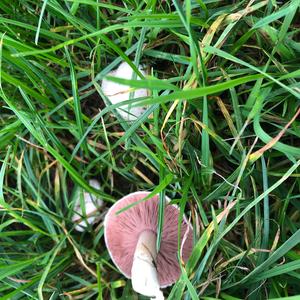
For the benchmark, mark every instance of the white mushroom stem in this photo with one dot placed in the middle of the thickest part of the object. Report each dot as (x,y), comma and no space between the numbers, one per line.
(143,272)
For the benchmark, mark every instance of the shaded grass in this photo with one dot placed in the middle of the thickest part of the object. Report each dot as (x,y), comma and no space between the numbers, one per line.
(224,82)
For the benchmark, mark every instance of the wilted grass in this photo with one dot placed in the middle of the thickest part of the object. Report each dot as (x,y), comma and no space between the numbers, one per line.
(221,138)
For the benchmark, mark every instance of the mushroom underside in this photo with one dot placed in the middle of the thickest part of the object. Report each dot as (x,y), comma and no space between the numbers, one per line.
(122,233)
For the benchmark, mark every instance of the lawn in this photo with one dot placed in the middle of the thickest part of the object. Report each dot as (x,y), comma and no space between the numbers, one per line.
(219,136)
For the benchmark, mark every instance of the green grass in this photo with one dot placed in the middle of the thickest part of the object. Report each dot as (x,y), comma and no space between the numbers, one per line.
(221,138)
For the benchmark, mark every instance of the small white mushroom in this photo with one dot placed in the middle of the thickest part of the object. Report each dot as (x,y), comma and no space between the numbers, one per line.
(91,203)
(117,93)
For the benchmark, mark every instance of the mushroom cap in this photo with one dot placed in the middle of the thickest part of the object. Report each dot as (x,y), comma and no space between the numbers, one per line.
(121,233)
(117,93)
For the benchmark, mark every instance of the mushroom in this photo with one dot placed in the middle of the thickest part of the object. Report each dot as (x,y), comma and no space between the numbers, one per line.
(117,93)
(130,237)
(91,205)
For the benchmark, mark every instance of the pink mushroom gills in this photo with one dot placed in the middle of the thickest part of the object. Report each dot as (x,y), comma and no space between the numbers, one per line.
(130,237)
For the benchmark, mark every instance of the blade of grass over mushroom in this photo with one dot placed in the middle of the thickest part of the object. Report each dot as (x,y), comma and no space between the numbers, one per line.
(161,212)
(197,92)
(162,197)
(151,84)
(162,185)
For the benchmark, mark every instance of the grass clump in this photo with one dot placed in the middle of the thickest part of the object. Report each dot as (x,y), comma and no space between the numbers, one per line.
(221,137)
